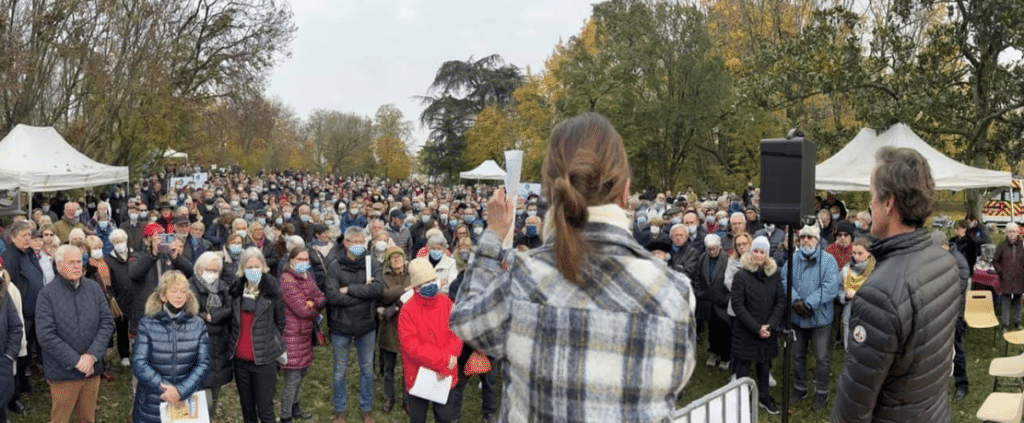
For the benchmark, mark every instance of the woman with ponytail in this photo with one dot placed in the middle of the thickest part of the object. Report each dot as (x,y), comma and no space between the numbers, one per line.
(589,326)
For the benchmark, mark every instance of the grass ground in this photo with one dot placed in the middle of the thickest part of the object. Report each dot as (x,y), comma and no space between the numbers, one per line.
(114,403)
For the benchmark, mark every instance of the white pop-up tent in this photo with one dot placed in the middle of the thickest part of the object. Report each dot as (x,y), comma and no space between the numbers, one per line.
(487,170)
(38,159)
(850,168)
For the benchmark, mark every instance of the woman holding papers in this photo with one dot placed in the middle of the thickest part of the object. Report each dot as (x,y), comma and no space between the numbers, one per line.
(172,353)
(590,326)
(429,349)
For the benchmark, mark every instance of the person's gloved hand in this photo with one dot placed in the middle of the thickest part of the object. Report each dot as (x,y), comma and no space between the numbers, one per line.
(801,308)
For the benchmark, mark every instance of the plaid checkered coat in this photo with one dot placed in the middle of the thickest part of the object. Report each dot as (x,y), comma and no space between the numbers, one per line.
(620,349)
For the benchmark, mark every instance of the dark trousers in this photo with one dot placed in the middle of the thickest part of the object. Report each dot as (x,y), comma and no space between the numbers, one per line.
(256,385)
(20,379)
(387,371)
(123,342)
(489,391)
(959,355)
(442,412)
(8,387)
(720,337)
(763,367)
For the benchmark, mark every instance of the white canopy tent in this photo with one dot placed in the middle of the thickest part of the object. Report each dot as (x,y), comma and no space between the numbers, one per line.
(39,159)
(487,170)
(850,168)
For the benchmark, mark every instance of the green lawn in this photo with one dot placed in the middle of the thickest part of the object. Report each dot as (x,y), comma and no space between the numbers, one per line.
(115,398)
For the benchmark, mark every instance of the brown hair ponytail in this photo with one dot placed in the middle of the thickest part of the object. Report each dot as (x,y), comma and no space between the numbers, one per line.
(586,166)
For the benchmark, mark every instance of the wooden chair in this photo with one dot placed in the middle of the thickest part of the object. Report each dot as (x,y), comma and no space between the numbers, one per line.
(979,311)
(1002,407)
(1007,367)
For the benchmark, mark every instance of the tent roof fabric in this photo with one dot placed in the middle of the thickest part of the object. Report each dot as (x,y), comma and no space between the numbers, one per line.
(39,159)
(171,153)
(850,168)
(487,170)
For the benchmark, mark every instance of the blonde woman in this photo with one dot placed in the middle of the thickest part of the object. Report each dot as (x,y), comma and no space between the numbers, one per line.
(172,350)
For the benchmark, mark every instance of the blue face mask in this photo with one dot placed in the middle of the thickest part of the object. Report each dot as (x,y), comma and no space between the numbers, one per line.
(531,213)
(436,254)
(235,249)
(641,220)
(452,223)
(469,218)
(531,230)
(429,290)
(301,267)
(357,250)
(253,275)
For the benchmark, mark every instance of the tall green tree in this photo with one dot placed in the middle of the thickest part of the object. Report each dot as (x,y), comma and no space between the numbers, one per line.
(461,90)
(650,67)
(951,70)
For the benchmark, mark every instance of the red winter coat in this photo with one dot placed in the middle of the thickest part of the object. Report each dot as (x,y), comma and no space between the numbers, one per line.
(299,317)
(425,339)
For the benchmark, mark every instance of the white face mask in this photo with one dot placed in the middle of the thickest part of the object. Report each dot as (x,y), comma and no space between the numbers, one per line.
(210,277)
(97,254)
(380,245)
(121,248)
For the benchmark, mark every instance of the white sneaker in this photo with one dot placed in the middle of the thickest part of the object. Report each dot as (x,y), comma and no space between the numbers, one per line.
(723,365)
(771,381)
(712,361)
(125,362)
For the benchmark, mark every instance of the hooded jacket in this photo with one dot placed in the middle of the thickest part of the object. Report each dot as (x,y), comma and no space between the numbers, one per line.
(900,351)
(758,299)
(168,349)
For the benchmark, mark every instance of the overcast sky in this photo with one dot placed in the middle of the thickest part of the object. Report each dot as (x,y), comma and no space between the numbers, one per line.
(356,55)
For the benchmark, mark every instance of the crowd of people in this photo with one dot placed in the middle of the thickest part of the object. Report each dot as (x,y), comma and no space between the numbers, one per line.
(231,279)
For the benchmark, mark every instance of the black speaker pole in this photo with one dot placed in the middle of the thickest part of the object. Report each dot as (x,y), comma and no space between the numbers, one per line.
(788,336)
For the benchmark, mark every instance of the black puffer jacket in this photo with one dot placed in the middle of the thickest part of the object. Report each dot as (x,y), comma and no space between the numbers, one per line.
(120,283)
(355,313)
(267,323)
(218,328)
(901,344)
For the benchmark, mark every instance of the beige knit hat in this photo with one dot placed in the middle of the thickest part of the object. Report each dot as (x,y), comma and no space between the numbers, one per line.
(421,272)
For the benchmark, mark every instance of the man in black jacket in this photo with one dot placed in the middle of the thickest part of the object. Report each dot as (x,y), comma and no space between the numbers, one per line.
(903,319)
(353,290)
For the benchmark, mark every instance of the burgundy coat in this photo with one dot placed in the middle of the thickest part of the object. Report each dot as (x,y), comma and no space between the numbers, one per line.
(299,317)
(1009,264)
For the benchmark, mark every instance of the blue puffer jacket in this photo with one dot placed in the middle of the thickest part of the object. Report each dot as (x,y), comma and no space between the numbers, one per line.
(172,350)
(817,283)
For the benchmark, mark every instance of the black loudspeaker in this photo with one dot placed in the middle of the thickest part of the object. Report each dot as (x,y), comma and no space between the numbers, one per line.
(787,180)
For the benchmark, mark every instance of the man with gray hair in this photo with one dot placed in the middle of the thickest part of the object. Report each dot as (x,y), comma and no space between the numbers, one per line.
(74,326)
(904,318)
(713,300)
(353,289)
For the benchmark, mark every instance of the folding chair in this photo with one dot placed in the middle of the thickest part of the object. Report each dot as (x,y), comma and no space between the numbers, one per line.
(979,312)
(1002,407)
(1007,367)
(1016,338)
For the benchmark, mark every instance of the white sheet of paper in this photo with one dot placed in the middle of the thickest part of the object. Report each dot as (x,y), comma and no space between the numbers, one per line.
(369,269)
(429,388)
(513,173)
(406,297)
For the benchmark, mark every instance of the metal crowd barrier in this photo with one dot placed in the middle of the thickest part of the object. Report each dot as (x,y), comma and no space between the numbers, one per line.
(732,403)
